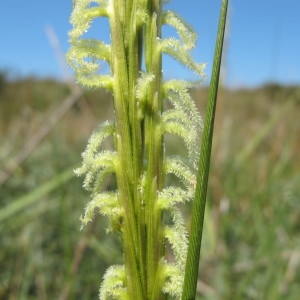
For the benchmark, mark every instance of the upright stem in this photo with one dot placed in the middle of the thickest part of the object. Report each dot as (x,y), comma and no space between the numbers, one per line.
(128,171)
(154,154)
(139,145)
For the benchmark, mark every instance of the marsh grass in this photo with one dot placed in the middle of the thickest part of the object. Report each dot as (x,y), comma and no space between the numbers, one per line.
(251,222)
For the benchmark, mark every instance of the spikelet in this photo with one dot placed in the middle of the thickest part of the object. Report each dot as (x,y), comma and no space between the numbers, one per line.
(84,54)
(177,237)
(113,284)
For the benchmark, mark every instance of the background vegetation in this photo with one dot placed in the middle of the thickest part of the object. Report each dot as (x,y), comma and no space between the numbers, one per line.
(251,247)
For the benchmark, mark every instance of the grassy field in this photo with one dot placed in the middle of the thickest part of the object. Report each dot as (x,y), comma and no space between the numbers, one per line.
(251,246)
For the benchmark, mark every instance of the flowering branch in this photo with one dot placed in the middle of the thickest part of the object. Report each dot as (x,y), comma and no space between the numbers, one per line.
(138,160)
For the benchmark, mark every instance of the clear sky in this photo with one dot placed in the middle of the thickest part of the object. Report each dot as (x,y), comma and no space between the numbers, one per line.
(262,44)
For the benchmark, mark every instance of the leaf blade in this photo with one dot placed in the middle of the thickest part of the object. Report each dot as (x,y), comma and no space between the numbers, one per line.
(193,256)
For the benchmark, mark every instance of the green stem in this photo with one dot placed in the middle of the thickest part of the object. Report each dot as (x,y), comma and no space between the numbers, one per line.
(124,73)
(193,257)
(138,139)
(154,154)
(135,47)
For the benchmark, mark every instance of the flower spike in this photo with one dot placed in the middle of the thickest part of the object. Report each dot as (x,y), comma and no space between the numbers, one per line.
(143,117)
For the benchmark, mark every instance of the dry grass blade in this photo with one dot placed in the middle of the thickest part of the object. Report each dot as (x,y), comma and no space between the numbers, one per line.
(36,139)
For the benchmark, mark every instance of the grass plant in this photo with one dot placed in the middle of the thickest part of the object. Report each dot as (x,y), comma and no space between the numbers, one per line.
(252,211)
(137,209)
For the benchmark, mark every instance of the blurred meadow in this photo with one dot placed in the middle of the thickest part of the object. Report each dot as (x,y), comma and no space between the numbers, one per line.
(251,247)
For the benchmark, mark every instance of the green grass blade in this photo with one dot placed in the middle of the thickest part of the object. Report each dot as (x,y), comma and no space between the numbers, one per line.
(191,271)
(25,201)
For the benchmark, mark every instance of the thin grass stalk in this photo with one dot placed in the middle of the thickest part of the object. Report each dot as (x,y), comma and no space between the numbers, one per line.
(193,256)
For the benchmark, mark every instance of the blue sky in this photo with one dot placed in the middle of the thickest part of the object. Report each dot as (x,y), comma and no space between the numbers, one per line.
(262,44)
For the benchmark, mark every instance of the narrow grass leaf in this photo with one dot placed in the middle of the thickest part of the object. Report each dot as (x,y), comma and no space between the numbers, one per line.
(193,256)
